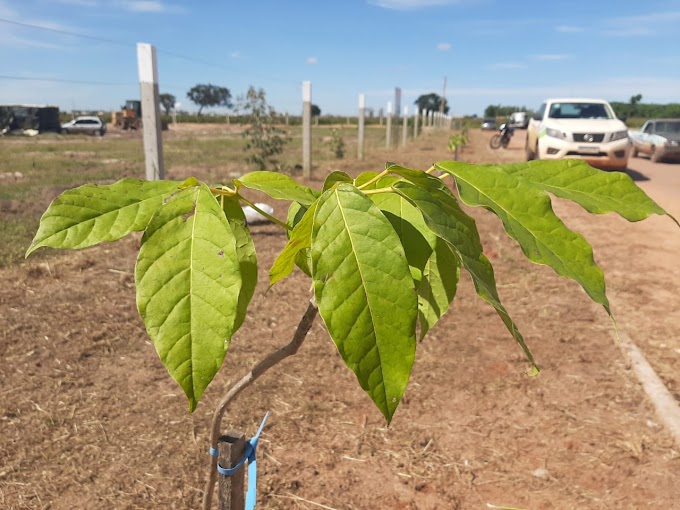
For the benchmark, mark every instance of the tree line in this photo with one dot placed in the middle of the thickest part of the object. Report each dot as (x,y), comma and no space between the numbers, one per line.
(633,108)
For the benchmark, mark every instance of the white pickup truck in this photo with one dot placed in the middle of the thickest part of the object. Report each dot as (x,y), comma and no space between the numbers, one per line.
(659,138)
(578,128)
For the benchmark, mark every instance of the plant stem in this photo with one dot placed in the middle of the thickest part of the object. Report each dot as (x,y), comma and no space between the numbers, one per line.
(266,215)
(224,191)
(376,191)
(375,179)
(275,357)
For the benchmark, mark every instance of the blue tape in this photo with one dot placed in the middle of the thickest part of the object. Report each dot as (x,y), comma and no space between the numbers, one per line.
(249,454)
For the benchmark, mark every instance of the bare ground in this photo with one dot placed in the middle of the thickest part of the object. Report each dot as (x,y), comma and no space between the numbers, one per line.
(90,419)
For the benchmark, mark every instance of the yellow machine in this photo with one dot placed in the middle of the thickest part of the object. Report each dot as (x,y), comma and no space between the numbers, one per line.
(130,117)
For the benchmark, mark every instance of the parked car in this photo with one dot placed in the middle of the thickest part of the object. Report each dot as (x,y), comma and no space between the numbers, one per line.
(578,128)
(489,124)
(87,125)
(659,138)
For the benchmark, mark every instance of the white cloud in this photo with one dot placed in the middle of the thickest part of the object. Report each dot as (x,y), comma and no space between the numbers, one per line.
(408,5)
(236,55)
(568,29)
(142,6)
(508,65)
(145,6)
(10,40)
(443,46)
(550,57)
(6,11)
(312,60)
(643,25)
(79,3)
(16,36)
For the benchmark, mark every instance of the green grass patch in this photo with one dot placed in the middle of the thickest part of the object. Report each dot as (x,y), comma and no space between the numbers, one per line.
(33,171)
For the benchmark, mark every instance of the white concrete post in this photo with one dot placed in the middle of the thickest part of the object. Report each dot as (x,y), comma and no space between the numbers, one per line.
(388,130)
(151,115)
(306,128)
(415,123)
(404,127)
(362,113)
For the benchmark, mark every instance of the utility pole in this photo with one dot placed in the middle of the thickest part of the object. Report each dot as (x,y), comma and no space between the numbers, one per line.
(441,107)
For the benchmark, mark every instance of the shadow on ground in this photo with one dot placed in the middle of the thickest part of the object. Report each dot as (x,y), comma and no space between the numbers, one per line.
(635,175)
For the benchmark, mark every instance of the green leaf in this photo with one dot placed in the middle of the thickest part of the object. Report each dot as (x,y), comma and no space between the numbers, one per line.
(303,257)
(188,285)
(335,177)
(434,267)
(596,191)
(278,186)
(416,238)
(245,251)
(295,213)
(365,293)
(91,214)
(438,286)
(448,221)
(418,177)
(527,215)
(364,177)
(300,240)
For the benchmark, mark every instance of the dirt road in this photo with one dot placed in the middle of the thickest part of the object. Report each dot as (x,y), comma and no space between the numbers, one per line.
(90,419)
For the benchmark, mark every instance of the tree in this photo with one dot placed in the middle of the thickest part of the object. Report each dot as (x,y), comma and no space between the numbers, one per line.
(634,101)
(377,293)
(316,111)
(431,102)
(167,102)
(209,95)
(263,139)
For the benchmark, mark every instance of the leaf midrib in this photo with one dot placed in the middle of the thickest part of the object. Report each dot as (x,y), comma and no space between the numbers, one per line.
(368,301)
(191,287)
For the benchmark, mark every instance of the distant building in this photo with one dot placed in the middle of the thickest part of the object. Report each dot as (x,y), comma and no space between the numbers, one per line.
(27,116)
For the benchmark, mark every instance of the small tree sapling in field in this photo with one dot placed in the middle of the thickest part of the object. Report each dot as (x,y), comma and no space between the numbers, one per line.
(337,144)
(264,140)
(384,252)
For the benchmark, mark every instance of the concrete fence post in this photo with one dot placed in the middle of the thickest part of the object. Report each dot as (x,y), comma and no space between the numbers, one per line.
(404,128)
(388,130)
(415,123)
(151,115)
(306,128)
(361,128)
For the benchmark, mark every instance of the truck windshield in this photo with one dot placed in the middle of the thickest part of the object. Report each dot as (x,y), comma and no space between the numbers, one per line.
(671,127)
(579,111)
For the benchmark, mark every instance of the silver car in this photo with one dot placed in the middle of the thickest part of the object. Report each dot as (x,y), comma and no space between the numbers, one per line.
(489,124)
(87,125)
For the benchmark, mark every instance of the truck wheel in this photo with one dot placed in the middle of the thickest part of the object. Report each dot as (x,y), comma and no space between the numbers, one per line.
(654,155)
(530,155)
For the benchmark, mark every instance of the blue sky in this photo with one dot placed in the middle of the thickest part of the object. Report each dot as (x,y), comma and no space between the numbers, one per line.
(491,51)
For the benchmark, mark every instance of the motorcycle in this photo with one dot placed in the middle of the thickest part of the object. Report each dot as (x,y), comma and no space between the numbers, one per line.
(502,139)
